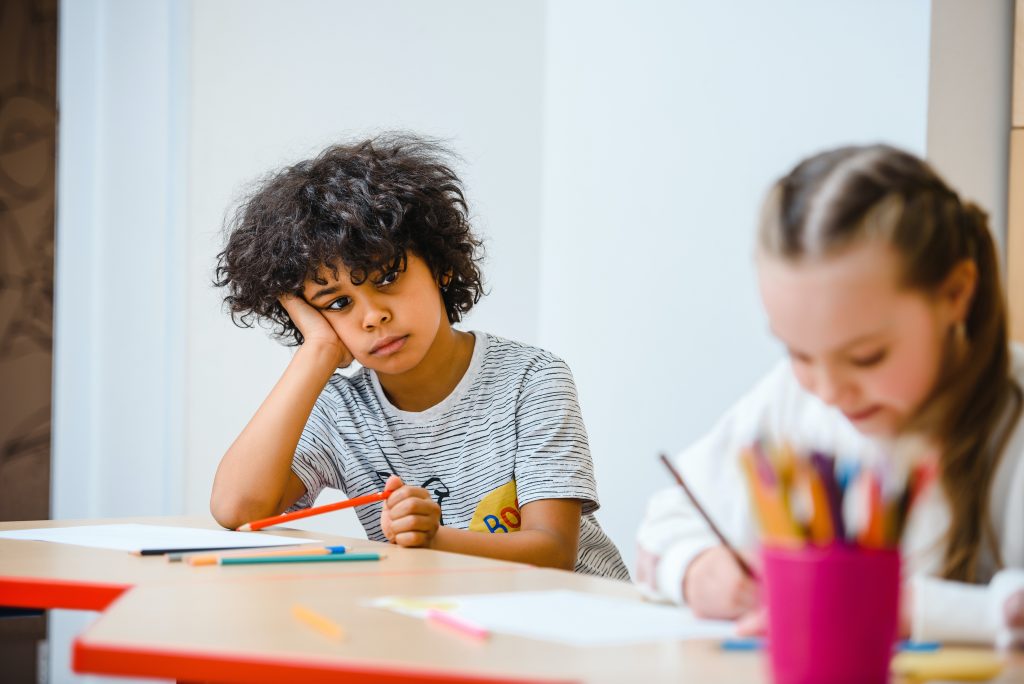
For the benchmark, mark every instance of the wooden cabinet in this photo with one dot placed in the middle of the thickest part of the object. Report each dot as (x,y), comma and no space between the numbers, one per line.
(1015,210)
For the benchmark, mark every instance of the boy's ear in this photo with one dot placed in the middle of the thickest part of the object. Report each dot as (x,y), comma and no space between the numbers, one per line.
(957,290)
(446,279)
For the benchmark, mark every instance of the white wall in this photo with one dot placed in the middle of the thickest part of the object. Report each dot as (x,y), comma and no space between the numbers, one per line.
(664,125)
(615,156)
(274,82)
(969,100)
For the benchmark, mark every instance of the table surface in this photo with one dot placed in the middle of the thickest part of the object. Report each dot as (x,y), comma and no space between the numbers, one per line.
(234,624)
(36,574)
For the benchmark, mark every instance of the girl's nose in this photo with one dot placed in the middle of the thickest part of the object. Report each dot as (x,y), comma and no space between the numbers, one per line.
(829,385)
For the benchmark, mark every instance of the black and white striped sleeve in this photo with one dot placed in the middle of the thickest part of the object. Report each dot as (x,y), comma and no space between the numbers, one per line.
(552,452)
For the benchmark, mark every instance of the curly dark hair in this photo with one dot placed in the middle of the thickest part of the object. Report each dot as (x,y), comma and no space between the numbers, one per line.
(366,205)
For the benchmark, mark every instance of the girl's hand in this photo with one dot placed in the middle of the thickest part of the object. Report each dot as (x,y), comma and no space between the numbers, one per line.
(715,586)
(314,328)
(1013,612)
(753,623)
(410,517)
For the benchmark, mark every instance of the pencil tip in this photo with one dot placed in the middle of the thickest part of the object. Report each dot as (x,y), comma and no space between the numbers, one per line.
(244,528)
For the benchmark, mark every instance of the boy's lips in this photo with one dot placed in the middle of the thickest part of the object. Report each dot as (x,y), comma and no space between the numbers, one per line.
(388,345)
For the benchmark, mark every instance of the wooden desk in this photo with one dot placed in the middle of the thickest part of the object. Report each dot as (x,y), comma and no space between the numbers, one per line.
(48,575)
(245,632)
(234,624)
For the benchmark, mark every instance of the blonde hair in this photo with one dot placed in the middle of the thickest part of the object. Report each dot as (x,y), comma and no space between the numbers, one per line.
(841,197)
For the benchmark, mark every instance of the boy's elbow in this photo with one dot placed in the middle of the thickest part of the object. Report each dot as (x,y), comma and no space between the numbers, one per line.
(230,512)
(564,558)
(226,516)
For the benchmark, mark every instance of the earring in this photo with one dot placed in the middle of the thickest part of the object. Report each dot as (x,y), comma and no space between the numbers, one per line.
(960,333)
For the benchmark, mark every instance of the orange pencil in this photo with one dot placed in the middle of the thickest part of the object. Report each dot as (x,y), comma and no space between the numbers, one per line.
(822,531)
(873,534)
(777,525)
(316,510)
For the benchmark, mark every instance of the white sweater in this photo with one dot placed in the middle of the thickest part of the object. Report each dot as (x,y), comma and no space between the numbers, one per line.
(673,534)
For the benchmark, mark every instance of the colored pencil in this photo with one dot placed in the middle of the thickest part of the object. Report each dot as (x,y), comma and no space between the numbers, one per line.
(776,522)
(747,570)
(326,626)
(326,558)
(316,510)
(458,623)
(214,558)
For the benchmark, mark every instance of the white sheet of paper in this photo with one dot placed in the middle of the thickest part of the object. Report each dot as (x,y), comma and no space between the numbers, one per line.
(137,537)
(567,617)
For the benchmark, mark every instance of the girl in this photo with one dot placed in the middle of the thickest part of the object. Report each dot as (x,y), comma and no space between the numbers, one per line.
(365,253)
(884,287)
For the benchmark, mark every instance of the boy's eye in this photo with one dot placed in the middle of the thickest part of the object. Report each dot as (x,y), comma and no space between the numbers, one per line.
(338,304)
(869,360)
(387,279)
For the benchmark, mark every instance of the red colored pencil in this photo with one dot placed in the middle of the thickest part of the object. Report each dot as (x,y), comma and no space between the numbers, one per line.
(316,510)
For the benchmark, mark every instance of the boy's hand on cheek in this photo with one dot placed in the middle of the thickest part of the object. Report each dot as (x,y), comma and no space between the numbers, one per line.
(314,327)
(715,587)
(409,517)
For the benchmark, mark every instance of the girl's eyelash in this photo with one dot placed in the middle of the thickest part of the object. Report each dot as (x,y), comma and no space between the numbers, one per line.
(870,360)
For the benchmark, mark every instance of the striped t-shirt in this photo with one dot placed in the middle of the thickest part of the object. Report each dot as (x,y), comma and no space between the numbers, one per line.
(510,433)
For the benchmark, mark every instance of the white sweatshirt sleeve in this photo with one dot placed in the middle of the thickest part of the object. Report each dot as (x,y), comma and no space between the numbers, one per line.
(956,612)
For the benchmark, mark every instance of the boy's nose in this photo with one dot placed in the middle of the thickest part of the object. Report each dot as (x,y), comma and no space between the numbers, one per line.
(375,316)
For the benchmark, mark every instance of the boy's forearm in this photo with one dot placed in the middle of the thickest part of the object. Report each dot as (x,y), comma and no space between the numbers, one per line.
(536,547)
(252,476)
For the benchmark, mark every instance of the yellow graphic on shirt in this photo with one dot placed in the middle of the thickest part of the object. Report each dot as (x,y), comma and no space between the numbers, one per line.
(498,511)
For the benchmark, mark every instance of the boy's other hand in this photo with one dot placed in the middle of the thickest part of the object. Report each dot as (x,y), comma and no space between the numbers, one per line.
(314,327)
(715,587)
(409,517)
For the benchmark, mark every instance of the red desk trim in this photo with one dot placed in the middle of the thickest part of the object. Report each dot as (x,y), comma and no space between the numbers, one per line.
(217,668)
(31,592)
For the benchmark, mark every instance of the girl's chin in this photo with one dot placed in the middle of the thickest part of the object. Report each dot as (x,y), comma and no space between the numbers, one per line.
(882,426)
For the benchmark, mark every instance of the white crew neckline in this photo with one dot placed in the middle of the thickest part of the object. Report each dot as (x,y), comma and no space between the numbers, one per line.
(480,343)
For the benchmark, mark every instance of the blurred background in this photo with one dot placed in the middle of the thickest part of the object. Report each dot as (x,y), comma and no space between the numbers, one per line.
(614,153)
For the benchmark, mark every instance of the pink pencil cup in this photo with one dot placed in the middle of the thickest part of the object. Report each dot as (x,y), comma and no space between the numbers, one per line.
(833,614)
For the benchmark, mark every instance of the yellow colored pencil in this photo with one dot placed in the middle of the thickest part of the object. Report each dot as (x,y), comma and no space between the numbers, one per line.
(326,626)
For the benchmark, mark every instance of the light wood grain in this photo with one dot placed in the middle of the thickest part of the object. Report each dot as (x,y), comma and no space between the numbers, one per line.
(240,623)
(1018,65)
(66,562)
(1015,233)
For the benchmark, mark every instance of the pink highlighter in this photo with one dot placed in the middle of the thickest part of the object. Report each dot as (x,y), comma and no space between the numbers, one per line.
(459,624)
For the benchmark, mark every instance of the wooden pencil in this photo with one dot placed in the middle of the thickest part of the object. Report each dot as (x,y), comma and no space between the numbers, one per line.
(744,566)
